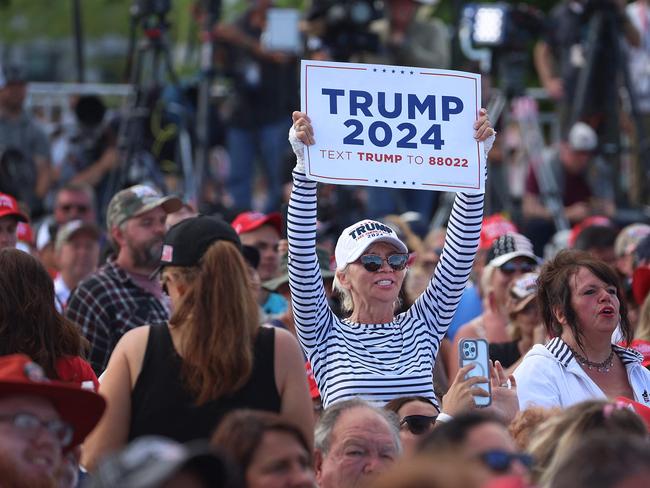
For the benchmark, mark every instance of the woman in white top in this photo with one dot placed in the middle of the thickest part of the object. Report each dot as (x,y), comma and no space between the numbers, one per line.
(372,353)
(582,304)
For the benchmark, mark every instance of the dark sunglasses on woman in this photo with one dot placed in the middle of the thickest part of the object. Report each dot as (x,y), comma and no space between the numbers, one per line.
(418,424)
(510,267)
(373,263)
(500,461)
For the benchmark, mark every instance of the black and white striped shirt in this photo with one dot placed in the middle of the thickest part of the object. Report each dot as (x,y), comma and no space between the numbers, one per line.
(377,362)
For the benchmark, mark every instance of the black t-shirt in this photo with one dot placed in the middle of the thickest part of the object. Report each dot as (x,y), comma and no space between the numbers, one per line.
(507,353)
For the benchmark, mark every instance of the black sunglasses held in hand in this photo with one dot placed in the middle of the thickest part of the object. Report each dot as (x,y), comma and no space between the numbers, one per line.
(500,461)
(373,263)
(418,424)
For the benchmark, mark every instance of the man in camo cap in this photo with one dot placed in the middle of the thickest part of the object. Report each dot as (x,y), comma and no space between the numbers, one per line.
(123,294)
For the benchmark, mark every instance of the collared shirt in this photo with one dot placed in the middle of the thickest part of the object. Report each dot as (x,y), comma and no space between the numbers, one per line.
(550,376)
(108,304)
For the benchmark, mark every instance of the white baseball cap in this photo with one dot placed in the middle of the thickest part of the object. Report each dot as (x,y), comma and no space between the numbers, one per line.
(355,239)
(582,137)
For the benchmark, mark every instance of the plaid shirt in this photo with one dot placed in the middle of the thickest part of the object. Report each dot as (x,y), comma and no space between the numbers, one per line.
(106,305)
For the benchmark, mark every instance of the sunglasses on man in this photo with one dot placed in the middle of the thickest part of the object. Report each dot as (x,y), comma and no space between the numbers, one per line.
(501,461)
(373,263)
(511,267)
(418,424)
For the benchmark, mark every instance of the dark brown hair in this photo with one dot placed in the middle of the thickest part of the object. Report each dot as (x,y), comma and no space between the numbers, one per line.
(29,322)
(554,290)
(240,434)
(396,403)
(218,318)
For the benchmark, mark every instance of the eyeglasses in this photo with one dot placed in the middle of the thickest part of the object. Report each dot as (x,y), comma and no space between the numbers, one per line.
(30,424)
(373,263)
(418,424)
(511,267)
(66,207)
(500,461)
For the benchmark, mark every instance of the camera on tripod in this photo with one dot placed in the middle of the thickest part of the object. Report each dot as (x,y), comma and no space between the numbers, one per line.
(347,26)
(506,30)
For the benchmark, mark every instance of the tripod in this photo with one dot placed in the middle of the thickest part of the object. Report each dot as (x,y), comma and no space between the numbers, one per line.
(148,64)
(604,34)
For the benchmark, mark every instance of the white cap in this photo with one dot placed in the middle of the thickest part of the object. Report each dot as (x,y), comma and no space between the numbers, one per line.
(354,240)
(582,137)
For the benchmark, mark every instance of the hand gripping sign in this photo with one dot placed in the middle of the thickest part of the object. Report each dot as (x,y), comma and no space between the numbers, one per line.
(393,126)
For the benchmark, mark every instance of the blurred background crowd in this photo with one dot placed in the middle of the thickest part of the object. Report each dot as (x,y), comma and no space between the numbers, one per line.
(123,119)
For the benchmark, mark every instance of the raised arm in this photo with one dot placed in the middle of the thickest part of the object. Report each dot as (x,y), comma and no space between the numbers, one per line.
(439,301)
(312,315)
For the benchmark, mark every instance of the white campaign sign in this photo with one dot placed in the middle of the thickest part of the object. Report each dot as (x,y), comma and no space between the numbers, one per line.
(393,126)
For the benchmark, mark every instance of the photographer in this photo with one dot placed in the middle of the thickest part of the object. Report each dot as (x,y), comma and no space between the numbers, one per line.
(265,84)
(92,151)
(561,54)
(24,147)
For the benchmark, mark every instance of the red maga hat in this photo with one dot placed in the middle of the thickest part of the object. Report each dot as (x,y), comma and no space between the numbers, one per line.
(249,221)
(81,408)
(9,206)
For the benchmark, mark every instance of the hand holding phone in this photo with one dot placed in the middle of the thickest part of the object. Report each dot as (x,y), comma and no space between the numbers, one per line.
(475,351)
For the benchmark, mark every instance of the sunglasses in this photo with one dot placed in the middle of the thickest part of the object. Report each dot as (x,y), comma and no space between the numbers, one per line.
(500,461)
(511,267)
(373,263)
(418,424)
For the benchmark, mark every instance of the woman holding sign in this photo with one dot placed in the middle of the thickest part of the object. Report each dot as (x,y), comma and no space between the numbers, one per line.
(372,353)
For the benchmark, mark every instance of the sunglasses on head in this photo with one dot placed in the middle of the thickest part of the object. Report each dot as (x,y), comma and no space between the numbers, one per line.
(418,424)
(500,461)
(373,263)
(511,267)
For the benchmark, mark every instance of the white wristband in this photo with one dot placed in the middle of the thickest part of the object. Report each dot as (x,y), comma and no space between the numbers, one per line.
(488,143)
(444,417)
(298,149)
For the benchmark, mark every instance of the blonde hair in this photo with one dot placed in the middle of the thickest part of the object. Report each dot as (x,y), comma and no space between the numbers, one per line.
(558,436)
(347,305)
(218,317)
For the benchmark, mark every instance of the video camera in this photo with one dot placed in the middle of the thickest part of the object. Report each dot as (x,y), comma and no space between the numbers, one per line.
(507,30)
(346,25)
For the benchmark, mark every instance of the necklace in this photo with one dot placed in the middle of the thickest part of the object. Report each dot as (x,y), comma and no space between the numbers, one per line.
(602,367)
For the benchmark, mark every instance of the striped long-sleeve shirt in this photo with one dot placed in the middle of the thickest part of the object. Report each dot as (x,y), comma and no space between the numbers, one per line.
(377,362)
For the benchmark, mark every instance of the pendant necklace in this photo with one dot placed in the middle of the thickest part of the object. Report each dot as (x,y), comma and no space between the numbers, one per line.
(603,367)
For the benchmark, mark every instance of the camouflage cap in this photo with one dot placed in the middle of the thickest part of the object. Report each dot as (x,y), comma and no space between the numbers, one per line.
(137,200)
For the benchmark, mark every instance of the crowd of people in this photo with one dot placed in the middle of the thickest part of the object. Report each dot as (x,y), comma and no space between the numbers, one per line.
(312,339)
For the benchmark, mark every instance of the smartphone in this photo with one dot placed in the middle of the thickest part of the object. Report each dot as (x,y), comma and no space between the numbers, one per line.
(476,351)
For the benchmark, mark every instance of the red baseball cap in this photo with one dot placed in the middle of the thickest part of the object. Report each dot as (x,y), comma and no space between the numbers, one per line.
(9,206)
(494,227)
(79,407)
(594,220)
(249,221)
